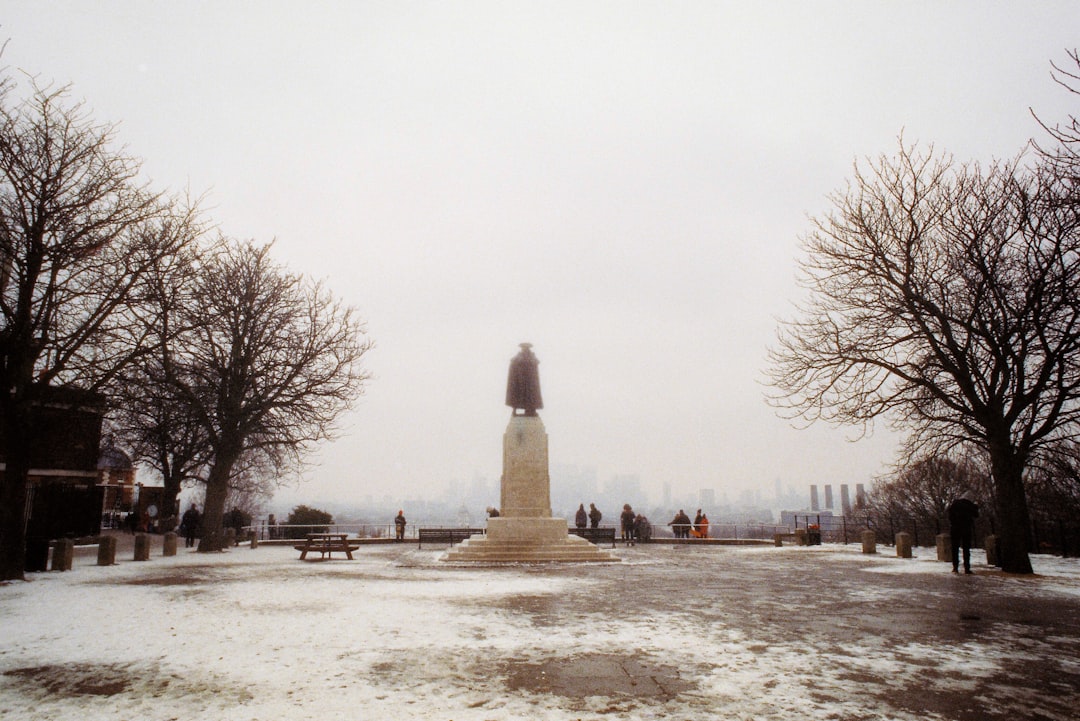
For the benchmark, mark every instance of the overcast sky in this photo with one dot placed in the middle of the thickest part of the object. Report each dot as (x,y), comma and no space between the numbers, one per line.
(621,184)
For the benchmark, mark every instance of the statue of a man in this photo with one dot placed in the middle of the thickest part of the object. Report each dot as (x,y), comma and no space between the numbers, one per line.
(523,383)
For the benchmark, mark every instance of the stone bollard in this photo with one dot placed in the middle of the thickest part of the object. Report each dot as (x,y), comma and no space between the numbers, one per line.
(903,545)
(142,547)
(106,551)
(168,544)
(944,547)
(254,537)
(63,554)
(800,537)
(990,544)
(869,542)
(230,537)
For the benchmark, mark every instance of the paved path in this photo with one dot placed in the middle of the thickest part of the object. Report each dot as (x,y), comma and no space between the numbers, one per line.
(673,632)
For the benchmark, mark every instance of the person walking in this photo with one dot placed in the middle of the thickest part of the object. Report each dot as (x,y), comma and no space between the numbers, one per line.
(399,526)
(189,525)
(962,514)
(581,518)
(594,515)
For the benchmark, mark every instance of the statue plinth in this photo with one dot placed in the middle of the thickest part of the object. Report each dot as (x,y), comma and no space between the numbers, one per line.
(525,531)
(526,486)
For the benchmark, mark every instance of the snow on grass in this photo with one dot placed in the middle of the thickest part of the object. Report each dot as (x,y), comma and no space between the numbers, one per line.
(257,634)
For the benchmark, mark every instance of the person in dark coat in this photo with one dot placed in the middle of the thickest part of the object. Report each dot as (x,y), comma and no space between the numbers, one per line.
(962,514)
(189,525)
(680,524)
(399,526)
(642,528)
(594,515)
(581,518)
(627,522)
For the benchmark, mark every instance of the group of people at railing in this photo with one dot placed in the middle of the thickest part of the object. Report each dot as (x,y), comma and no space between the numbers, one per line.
(683,527)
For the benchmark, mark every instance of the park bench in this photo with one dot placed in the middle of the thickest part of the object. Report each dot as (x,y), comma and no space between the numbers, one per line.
(445,535)
(596,535)
(326,544)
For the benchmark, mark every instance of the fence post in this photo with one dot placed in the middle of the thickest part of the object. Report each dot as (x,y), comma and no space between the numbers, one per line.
(869,541)
(106,555)
(944,547)
(168,544)
(62,554)
(903,545)
(142,547)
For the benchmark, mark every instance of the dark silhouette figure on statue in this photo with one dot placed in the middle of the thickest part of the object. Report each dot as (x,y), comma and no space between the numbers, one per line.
(523,383)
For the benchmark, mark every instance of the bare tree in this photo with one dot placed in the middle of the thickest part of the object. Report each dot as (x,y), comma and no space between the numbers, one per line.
(146,412)
(924,489)
(947,299)
(268,363)
(1065,135)
(78,234)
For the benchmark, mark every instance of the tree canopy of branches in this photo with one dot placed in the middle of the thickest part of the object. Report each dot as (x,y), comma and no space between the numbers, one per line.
(265,363)
(78,235)
(923,490)
(946,298)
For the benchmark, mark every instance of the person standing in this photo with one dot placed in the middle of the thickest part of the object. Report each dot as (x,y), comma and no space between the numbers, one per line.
(962,514)
(189,524)
(642,528)
(627,522)
(680,525)
(399,526)
(594,515)
(581,518)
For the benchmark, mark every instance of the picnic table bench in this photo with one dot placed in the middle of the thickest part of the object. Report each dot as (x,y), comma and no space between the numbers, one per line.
(445,535)
(595,535)
(326,544)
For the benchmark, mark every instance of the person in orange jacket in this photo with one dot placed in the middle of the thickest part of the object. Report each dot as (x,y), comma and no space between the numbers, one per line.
(701,530)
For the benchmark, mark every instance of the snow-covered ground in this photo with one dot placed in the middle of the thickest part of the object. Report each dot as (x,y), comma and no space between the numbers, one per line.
(673,632)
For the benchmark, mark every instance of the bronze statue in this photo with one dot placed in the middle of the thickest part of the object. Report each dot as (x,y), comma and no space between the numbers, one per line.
(523,383)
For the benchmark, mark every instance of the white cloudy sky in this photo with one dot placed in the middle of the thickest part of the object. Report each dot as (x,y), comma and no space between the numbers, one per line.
(622,184)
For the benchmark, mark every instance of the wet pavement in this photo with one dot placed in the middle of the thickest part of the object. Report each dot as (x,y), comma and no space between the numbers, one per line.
(670,632)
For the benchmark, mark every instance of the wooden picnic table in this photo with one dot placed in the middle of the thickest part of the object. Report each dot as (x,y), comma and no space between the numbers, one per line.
(326,544)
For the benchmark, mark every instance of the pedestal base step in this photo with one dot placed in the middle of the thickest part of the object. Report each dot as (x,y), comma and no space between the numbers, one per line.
(481,549)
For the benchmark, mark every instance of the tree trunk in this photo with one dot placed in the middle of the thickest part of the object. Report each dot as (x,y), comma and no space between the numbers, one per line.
(13,510)
(217,491)
(1014,524)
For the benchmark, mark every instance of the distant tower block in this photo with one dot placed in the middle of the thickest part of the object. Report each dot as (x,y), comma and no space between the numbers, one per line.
(860,496)
(828,497)
(845,499)
(814,505)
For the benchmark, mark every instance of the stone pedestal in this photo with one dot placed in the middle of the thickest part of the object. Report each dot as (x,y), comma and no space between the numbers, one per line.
(168,544)
(903,545)
(869,542)
(106,551)
(254,538)
(63,554)
(142,547)
(944,547)
(525,531)
(990,544)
